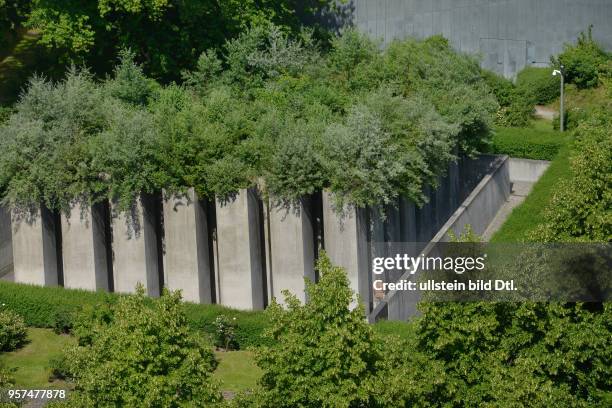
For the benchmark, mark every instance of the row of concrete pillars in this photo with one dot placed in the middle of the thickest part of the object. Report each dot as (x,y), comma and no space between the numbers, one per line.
(238,253)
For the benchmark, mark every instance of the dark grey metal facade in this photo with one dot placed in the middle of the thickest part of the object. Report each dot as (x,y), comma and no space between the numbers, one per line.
(507,34)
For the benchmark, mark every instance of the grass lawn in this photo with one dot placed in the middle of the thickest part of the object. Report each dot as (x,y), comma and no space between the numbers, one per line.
(528,215)
(236,371)
(31,362)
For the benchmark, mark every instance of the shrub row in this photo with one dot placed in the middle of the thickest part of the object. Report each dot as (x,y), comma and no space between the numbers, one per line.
(272,111)
(528,143)
(43,306)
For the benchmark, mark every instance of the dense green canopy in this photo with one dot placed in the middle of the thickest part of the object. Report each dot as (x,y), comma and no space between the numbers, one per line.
(274,111)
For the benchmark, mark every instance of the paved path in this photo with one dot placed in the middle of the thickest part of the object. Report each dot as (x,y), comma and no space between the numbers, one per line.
(520,190)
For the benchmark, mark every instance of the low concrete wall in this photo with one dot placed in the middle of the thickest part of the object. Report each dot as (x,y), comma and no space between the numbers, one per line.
(480,207)
(240,261)
(292,252)
(84,246)
(346,244)
(6,243)
(35,251)
(135,248)
(477,210)
(527,170)
(186,254)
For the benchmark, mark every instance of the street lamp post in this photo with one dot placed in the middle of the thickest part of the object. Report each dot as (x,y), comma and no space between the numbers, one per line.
(561,73)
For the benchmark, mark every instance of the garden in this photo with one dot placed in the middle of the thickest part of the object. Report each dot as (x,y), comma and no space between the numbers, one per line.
(293,111)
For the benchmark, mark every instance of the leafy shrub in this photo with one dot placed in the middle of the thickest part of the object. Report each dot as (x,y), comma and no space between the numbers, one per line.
(273,111)
(572,118)
(507,353)
(538,84)
(13,332)
(583,61)
(225,335)
(63,322)
(580,206)
(6,382)
(145,355)
(39,307)
(336,344)
(502,88)
(60,368)
(516,106)
(518,113)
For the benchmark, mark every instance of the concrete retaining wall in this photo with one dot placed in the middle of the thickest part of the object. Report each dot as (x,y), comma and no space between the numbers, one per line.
(292,251)
(35,248)
(478,210)
(346,243)
(508,34)
(527,170)
(187,263)
(85,247)
(6,243)
(136,248)
(239,248)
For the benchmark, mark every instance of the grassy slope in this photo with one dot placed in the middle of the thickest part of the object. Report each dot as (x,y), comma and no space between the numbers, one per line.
(236,371)
(528,215)
(31,363)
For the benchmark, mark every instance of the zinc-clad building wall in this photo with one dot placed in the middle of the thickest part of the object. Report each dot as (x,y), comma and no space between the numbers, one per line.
(508,34)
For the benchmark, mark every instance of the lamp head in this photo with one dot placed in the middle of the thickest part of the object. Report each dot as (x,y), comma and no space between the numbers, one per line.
(556,72)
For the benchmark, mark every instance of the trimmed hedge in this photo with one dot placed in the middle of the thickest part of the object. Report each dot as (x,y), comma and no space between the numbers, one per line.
(40,306)
(529,143)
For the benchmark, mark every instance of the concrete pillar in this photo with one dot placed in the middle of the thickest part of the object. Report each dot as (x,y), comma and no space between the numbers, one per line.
(136,256)
(240,263)
(187,262)
(85,247)
(292,251)
(6,243)
(346,243)
(408,227)
(35,248)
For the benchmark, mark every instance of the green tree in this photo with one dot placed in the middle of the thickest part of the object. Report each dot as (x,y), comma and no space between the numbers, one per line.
(325,354)
(142,354)
(582,61)
(166,35)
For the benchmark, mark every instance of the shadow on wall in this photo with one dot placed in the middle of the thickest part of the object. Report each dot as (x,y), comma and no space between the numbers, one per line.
(341,14)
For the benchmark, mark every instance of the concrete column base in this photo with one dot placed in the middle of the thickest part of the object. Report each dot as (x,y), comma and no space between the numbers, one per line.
(292,250)
(84,246)
(187,262)
(240,262)
(136,256)
(346,244)
(35,248)
(6,243)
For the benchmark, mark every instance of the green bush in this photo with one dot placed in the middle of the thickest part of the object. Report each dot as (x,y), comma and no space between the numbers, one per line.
(502,88)
(144,355)
(529,143)
(538,84)
(584,61)
(60,368)
(39,307)
(580,206)
(13,332)
(516,106)
(518,113)
(325,354)
(273,110)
